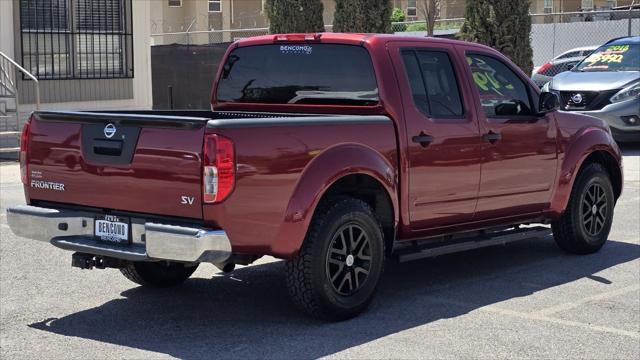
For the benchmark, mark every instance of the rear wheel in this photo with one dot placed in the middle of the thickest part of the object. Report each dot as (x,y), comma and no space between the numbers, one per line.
(585,225)
(337,271)
(158,274)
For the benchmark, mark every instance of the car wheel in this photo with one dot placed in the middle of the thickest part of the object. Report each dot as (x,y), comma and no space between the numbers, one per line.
(584,227)
(336,273)
(158,274)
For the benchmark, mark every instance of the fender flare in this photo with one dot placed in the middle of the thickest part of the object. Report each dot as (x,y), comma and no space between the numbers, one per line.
(318,176)
(585,143)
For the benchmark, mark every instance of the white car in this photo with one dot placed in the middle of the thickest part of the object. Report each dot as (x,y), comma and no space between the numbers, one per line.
(561,63)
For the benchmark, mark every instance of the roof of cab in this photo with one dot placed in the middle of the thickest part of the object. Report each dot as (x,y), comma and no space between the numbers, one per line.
(343,38)
(627,40)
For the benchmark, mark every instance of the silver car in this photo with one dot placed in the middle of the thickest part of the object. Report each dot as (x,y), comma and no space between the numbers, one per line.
(561,63)
(606,85)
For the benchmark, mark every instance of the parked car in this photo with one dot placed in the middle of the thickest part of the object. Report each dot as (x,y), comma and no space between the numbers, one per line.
(563,62)
(606,85)
(330,151)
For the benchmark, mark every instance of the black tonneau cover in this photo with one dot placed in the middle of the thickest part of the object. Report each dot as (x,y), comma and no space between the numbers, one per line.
(183,119)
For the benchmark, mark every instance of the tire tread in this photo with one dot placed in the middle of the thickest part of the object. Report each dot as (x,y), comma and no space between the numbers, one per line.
(299,275)
(564,229)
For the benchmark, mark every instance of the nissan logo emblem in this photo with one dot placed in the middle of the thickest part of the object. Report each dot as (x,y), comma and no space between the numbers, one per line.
(109,130)
(576,98)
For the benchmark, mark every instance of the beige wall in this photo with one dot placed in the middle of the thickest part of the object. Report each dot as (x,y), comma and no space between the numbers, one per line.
(6,27)
(248,14)
(449,9)
(537,6)
(176,19)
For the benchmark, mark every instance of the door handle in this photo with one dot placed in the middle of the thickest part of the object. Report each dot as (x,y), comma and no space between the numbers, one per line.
(491,137)
(423,139)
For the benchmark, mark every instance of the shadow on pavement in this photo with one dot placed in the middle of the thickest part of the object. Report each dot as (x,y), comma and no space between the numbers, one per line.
(248,314)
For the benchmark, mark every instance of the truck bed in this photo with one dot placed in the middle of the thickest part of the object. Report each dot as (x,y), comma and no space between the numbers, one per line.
(154,163)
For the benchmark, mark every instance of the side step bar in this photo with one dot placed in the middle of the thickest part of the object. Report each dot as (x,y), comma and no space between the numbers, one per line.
(426,248)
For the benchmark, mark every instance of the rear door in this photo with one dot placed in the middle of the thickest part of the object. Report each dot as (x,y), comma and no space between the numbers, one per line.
(519,156)
(127,163)
(443,136)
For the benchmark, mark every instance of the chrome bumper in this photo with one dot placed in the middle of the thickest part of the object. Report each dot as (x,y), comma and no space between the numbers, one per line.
(73,230)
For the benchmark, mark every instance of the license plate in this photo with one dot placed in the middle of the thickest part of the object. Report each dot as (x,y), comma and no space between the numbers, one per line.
(112,229)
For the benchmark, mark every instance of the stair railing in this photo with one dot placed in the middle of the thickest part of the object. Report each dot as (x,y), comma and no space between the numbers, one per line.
(27,74)
(9,90)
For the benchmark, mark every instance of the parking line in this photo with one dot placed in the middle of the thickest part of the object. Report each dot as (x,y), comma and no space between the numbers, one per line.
(538,317)
(573,304)
(534,316)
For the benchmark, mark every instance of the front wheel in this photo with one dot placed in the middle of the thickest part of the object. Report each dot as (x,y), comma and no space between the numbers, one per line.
(584,227)
(158,274)
(337,271)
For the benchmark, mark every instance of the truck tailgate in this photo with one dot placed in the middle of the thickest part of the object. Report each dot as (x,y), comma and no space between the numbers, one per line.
(146,164)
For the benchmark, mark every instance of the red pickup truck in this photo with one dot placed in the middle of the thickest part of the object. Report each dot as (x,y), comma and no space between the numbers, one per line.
(331,151)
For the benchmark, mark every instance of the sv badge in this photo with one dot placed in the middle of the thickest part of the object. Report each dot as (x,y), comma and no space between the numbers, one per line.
(187,200)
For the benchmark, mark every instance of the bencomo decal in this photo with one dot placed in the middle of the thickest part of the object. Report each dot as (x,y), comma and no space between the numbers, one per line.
(296,49)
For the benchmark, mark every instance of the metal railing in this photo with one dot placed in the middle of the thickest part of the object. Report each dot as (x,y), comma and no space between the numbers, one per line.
(10,95)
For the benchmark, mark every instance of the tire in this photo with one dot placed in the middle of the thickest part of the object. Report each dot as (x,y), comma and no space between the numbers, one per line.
(158,274)
(584,227)
(335,279)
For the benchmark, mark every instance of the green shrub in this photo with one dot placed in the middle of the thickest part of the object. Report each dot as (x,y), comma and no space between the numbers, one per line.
(294,16)
(397,16)
(421,26)
(362,16)
(505,25)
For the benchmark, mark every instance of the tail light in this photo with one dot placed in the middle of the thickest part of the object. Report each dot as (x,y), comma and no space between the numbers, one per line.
(219,168)
(24,149)
(544,68)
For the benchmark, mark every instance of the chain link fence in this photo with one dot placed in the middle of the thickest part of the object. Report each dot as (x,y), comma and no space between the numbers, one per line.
(554,34)
(443,27)
(551,34)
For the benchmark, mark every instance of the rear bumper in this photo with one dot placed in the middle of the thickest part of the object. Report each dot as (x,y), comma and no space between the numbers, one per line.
(73,230)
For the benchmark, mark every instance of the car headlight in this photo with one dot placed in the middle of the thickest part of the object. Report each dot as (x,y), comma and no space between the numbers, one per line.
(630,92)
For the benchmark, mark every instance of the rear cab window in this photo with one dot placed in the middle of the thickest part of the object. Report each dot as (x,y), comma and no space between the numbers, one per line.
(433,82)
(326,74)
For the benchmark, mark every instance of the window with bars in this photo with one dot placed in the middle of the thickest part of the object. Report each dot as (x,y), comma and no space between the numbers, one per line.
(77,39)
(548,6)
(412,8)
(215,6)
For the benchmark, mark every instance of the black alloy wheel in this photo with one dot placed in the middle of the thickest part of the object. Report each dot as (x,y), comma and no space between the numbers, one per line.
(348,259)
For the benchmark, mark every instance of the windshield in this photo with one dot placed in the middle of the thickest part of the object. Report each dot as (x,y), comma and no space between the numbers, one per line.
(625,57)
(299,74)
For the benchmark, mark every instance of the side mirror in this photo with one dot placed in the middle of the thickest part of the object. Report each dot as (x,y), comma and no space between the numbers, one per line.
(548,102)
(570,67)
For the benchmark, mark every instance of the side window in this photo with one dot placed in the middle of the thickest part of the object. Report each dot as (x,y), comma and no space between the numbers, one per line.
(433,83)
(415,81)
(502,92)
(570,55)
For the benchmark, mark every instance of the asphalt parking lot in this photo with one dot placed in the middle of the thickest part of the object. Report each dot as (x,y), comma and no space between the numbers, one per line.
(522,300)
